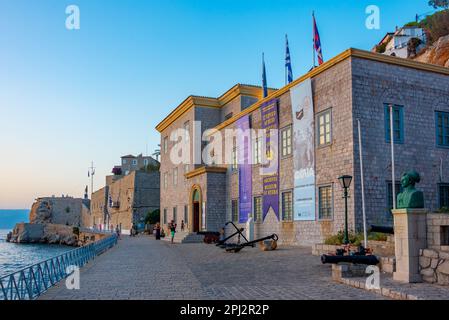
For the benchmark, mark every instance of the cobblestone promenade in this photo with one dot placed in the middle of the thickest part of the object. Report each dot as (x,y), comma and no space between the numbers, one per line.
(142,268)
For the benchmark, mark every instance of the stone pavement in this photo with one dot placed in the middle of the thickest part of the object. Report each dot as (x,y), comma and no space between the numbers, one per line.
(143,268)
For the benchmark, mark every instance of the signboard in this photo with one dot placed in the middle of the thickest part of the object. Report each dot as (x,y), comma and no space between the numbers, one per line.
(245,169)
(270,172)
(304,151)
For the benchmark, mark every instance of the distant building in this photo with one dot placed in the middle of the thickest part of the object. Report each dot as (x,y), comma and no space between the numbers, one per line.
(397,43)
(125,200)
(132,163)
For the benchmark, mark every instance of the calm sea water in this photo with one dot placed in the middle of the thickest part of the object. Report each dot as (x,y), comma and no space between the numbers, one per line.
(14,257)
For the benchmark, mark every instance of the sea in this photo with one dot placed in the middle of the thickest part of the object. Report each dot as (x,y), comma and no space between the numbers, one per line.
(14,257)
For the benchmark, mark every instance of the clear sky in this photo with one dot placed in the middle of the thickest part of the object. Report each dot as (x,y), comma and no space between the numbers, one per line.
(70,97)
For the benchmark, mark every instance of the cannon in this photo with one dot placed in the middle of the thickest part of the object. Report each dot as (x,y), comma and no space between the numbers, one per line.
(369,260)
(382,229)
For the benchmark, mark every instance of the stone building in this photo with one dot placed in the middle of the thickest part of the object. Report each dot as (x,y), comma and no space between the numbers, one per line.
(125,201)
(355,85)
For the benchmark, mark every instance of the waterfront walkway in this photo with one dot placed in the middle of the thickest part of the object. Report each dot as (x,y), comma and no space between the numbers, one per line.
(142,268)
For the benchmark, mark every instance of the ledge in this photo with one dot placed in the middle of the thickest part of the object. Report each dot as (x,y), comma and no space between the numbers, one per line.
(204,170)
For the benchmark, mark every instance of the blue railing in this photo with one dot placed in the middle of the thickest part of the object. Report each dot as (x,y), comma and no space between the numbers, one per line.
(30,282)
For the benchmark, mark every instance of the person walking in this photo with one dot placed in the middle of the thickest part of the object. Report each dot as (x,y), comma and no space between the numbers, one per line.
(117,231)
(172,230)
(158,231)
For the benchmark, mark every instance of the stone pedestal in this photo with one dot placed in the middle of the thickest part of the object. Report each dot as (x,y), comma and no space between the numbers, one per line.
(410,234)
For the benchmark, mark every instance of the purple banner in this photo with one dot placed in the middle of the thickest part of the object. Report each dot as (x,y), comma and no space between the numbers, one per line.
(270,177)
(245,169)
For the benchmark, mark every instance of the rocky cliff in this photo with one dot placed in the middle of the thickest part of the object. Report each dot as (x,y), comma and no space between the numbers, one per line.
(438,53)
(43,233)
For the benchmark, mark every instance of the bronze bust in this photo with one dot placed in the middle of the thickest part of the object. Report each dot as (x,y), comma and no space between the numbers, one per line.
(410,198)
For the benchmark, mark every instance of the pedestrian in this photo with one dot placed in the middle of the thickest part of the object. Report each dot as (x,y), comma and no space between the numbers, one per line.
(222,234)
(158,231)
(182,225)
(117,230)
(172,230)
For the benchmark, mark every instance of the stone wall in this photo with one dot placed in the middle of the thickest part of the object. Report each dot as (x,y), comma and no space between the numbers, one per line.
(434,266)
(64,210)
(421,93)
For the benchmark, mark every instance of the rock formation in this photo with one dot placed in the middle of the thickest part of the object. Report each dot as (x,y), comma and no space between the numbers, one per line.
(438,53)
(43,233)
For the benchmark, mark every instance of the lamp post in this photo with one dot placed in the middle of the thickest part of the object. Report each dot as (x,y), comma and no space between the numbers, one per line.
(345,182)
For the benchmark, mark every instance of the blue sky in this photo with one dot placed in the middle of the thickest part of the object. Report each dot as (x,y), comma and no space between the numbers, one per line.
(70,97)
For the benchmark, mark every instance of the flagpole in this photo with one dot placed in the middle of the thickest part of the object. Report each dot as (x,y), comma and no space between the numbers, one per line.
(313,38)
(285,67)
(365,234)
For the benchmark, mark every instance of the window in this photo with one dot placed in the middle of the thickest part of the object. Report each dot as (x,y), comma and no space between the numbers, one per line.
(134,162)
(325,202)
(175,214)
(165,144)
(324,133)
(145,162)
(257,151)
(165,180)
(444,195)
(398,190)
(287,206)
(398,123)
(124,161)
(234,155)
(186,214)
(235,210)
(165,217)
(286,140)
(442,126)
(187,131)
(175,176)
(258,209)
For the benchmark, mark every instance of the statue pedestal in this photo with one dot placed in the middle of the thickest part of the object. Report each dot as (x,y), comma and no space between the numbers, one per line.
(410,235)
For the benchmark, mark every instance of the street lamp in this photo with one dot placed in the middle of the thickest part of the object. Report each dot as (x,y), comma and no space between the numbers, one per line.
(345,182)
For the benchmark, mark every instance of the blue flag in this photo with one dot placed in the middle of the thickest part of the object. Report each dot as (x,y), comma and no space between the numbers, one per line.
(288,63)
(264,78)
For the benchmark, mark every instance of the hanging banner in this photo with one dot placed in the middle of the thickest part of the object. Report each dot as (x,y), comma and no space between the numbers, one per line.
(245,168)
(270,172)
(304,151)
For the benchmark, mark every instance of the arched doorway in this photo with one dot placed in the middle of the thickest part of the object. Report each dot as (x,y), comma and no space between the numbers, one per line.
(195,216)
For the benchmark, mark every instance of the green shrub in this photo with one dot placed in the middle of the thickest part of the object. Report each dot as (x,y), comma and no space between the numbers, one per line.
(443,210)
(354,238)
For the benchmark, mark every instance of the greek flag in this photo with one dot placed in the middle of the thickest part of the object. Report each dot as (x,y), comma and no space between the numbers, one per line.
(264,77)
(288,62)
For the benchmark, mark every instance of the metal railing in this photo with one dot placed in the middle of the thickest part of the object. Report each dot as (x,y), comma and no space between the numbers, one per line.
(30,282)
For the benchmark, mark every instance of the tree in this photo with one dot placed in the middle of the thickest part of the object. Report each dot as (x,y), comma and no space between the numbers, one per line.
(153,217)
(444,4)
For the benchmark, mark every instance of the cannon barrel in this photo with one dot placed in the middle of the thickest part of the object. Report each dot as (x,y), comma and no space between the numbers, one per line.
(367,260)
(382,229)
